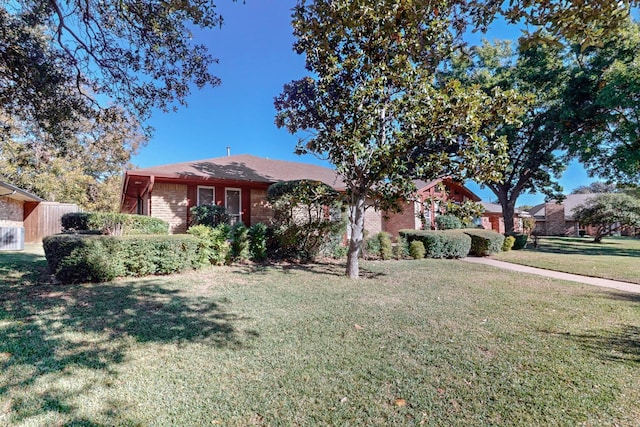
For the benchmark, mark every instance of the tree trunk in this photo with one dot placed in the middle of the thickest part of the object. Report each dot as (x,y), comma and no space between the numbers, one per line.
(356,224)
(508,208)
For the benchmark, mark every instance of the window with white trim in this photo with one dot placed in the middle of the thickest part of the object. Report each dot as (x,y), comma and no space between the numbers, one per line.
(206,195)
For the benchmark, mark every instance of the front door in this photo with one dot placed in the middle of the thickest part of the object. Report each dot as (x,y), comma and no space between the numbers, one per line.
(232,203)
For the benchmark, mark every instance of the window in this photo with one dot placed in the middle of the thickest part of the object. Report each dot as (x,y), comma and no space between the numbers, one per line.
(233,205)
(206,195)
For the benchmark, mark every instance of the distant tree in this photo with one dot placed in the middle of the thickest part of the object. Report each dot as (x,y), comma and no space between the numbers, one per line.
(86,170)
(371,107)
(535,144)
(595,187)
(608,213)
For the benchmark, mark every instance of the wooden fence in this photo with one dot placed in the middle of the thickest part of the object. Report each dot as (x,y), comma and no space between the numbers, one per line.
(43,219)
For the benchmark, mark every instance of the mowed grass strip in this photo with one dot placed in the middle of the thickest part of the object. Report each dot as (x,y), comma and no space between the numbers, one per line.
(616,258)
(430,342)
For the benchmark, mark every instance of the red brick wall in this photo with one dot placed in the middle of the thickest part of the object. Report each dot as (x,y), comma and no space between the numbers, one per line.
(406,219)
(169,203)
(11,212)
(555,224)
(372,221)
(261,210)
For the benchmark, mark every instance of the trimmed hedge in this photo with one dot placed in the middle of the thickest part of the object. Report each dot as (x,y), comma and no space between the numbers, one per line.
(105,222)
(87,258)
(484,242)
(440,243)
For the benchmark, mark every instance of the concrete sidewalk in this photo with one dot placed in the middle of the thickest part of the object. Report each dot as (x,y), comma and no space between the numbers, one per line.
(606,283)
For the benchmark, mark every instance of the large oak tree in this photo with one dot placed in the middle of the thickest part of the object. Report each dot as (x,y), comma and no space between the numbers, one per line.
(535,143)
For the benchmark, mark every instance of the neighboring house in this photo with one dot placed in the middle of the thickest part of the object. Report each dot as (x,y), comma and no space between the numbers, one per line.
(239,183)
(12,213)
(556,218)
(492,219)
(26,218)
(421,212)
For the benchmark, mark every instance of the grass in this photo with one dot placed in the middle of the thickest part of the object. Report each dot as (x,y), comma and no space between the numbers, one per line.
(430,342)
(616,258)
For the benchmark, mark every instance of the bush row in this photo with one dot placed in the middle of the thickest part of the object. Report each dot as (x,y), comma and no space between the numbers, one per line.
(80,258)
(458,243)
(113,223)
(441,243)
(484,242)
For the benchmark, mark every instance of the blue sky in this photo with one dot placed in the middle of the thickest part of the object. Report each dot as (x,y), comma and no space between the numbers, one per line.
(254,48)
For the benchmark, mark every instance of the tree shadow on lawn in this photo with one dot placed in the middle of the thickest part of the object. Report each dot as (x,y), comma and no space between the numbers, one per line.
(578,246)
(619,345)
(19,267)
(47,329)
(326,268)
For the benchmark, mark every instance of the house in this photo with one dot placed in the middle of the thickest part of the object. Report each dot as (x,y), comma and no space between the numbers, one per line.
(239,183)
(12,208)
(493,219)
(420,212)
(555,218)
(26,218)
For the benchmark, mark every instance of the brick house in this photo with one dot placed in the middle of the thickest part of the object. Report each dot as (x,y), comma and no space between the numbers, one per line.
(420,212)
(555,218)
(492,218)
(26,218)
(239,183)
(12,215)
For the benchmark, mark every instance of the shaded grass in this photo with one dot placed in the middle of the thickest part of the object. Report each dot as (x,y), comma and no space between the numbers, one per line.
(616,258)
(430,342)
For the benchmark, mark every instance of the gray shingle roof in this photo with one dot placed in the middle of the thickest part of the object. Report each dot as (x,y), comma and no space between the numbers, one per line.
(244,167)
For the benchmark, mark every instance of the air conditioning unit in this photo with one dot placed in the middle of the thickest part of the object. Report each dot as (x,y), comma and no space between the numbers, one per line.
(11,238)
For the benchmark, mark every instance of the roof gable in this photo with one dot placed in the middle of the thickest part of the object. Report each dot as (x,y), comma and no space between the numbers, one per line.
(425,186)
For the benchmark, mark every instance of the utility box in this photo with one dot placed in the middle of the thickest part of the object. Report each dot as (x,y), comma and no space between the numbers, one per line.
(11,238)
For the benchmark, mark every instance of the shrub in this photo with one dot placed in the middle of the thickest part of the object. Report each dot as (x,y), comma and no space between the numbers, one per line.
(371,247)
(143,224)
(75,221)
(448,222)
(209,214)
(89,259)
(204,235)
(508,243)
(258,242)
(301,226)
(401,248)
(416,249)
(521,240)
(86,258)
(440,243)
(113,223)
(213,246)
(220,245)
(484,242)
(239,242)
(333,246)
(384,240)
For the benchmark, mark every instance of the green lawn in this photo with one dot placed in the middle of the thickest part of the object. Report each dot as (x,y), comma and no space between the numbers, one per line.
(430,342)
(615,258)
